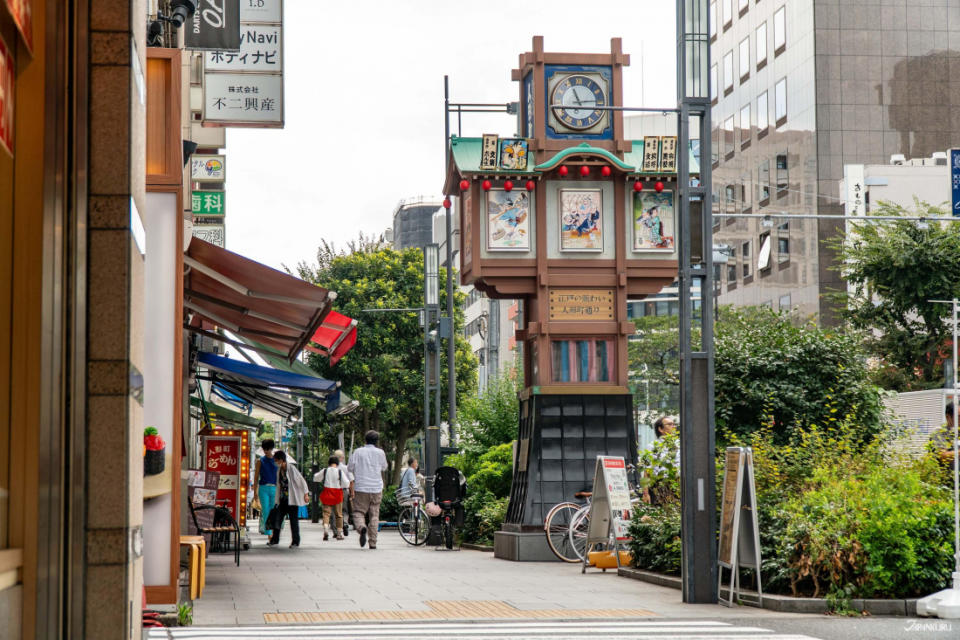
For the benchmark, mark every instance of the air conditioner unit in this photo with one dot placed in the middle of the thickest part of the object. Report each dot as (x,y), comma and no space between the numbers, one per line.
(898,159)
(940,158)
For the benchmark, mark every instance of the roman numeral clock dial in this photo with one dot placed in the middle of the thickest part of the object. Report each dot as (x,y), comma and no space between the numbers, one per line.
(579,96)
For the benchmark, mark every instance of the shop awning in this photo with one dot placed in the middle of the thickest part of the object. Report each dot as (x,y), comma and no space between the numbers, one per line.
(335,337)
(271,389)
(251,299)
(221,416)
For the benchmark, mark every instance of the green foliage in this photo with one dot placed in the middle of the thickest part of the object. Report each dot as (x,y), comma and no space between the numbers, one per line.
(384,371)
(895,270)
(660,468)
(483,515)
(389,507)
(654,362)
(184,614)
(655,537)
(770,370)
(492,417)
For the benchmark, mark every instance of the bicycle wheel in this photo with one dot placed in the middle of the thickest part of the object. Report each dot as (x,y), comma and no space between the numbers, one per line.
(577,531)
(412,526)
(448,533)
(556,526)
(422,529)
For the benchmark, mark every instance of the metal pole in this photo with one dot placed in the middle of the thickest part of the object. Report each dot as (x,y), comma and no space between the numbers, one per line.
(451,339)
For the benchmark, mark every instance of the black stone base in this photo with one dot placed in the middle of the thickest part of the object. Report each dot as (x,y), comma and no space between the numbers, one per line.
(522,546)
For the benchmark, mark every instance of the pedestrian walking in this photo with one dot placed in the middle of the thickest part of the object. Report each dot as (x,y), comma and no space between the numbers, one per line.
(334,481)
(292,493)
(367,465)
(265,480)
(346,492)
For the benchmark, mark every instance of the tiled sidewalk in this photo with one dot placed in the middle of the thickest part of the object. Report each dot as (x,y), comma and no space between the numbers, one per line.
(338,577)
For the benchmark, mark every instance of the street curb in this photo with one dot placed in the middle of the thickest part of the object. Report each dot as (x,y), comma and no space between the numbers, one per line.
(476,547)
(788,604)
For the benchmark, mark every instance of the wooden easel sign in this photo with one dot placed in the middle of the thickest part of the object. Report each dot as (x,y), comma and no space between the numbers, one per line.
(609,507)
(739,530)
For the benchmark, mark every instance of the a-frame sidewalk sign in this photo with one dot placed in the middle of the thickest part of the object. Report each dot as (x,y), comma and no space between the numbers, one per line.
(609,507)
(739,530)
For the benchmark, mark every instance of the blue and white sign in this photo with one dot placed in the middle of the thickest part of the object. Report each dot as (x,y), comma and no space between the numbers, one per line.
(955,181)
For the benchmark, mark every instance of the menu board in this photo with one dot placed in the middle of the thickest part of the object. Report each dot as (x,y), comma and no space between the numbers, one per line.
(202,490)
(222,454)
(731,481)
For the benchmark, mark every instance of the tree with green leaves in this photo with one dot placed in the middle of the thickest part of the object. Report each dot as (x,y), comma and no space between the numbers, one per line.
(384,371)
(654,363)
(895,269)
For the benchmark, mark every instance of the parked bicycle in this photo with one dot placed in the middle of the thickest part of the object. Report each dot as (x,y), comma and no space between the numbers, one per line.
(449,491)
(413,522)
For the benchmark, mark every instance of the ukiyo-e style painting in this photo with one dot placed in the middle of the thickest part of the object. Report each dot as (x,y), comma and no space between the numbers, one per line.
(653,222)
(513,154)
(581,220)
(508,220)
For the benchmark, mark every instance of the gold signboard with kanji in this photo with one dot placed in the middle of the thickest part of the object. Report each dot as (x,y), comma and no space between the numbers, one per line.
(581,304)
(668,154)
(651,154)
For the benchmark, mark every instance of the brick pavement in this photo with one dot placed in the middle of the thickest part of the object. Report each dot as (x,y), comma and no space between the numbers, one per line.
(338,577)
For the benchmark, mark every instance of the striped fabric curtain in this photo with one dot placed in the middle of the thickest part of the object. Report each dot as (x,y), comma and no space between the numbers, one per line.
(588,360)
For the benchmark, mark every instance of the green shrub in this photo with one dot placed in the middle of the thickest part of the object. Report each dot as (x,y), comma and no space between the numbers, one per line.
(655,538)
(389,508)
(483,515)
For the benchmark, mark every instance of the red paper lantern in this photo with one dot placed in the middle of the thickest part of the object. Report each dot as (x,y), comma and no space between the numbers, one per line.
(605,171)
(658,186)
(486,185)
(508,185)
(464,185)
(638,186)
(563,171)
(531,185)
(584,171)
(446,203)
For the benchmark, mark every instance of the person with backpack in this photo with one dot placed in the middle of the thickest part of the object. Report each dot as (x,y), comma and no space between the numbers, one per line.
(333,481)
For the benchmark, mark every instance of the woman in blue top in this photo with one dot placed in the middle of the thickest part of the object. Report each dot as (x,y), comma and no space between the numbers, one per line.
(265,480)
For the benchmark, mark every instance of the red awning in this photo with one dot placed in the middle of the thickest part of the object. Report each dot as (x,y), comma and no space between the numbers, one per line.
(335,337)
(252,300)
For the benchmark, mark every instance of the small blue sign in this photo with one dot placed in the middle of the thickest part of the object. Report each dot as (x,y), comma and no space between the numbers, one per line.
(955,181)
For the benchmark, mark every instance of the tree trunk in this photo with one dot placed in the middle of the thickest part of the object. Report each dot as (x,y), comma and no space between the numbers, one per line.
(398,453)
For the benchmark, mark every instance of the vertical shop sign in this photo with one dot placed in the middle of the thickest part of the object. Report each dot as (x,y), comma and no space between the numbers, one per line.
(22,13)
(856,196)
(207,203)
(955,181)
(6,97)
(207,168)
(214,26)
(222,454)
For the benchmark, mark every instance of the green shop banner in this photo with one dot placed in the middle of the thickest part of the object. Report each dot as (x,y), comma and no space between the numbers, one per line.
(208,203)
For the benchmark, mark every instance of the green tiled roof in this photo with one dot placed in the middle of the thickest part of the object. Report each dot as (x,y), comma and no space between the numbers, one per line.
(466,157)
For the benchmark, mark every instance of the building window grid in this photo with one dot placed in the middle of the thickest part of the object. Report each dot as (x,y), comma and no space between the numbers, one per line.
(761,40)
(780,102)
(714,82)
(779,30)
(763,182)
(728,73)
(746,131)
(763,113)
(727,14)
(744,62)
(783,175)
(728,138)
(712,19)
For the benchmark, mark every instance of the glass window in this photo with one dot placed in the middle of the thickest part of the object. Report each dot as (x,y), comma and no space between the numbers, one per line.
(783,177)
(743,5)
(779,30)
(727,12)
(745,250)
(728,136)
(715,150)
(728,71)
(713,82)
(783,249)
(731,273)
(746,192)
(780,101)
(763,181)
(745,124)
(785,302)
(590,360)
(761,44)
(712,19)
(763,112)
(730,195)
(744,57)
(746,269)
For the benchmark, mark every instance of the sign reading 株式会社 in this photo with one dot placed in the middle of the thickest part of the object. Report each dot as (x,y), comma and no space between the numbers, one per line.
(243,98)
(214,26)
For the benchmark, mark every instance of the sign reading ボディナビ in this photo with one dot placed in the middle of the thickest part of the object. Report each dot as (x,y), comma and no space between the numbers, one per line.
(955,181)
(215,25)
(260,50)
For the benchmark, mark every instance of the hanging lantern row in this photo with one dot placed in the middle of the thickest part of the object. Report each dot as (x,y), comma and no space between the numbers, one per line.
(563,171)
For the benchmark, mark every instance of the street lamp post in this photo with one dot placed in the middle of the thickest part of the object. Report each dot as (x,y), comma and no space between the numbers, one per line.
(431,355)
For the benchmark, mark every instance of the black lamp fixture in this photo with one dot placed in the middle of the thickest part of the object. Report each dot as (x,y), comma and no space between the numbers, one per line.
(189,147)
(180,10)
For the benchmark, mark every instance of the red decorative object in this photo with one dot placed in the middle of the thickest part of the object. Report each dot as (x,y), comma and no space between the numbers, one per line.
(508,185)
(658,186)
(563,171)
(531,185)
(584,171)
(486,185)
(638,186)
(605,171)
(446,203)
(464,185)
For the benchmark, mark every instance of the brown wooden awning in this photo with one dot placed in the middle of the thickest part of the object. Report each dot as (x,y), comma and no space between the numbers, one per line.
(251,300)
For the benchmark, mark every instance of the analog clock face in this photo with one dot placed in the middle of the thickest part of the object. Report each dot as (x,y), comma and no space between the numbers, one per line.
(580,97)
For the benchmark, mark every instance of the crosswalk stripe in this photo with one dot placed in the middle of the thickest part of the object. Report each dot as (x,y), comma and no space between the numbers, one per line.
(662,629)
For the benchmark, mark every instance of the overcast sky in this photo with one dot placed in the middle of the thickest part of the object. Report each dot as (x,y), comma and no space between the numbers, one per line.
(364,105)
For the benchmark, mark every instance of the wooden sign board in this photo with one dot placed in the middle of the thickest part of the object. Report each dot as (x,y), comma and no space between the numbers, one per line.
(581,304)
(609,506)
(668,154)
(488,151)
(651,154)
(739,529)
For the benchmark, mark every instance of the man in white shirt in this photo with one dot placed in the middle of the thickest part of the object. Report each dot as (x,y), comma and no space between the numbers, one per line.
(367,465)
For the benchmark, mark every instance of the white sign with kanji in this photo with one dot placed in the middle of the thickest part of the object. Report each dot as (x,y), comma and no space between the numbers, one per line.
(243,98)
(261,10)
(261,49)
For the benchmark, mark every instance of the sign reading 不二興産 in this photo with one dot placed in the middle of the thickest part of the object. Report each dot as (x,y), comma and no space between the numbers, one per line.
(207,203)
(955,181)
(243,98)
(581,304)
(214,26)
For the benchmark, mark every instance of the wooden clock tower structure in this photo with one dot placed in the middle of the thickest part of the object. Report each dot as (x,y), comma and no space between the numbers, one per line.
(574,220)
